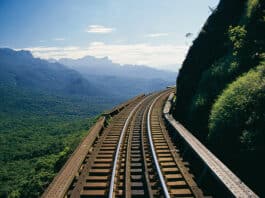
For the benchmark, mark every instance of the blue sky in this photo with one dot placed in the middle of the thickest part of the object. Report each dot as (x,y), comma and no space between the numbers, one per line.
(148,32)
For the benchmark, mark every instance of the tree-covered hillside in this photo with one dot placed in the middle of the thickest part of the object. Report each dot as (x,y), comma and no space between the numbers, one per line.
(45,110)
(37,134)
(221,90)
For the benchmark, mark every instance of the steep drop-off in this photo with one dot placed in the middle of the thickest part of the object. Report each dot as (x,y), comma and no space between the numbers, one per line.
(221,87)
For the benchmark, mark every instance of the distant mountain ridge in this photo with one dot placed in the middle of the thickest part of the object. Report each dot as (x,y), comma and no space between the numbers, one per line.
(88,76)
(90,65)
(122,80)
(21,69)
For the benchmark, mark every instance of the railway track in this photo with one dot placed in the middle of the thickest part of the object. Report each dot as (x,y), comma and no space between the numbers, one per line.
(129,153)
(135,157)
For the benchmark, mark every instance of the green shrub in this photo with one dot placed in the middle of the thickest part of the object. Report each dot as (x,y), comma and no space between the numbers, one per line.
(251,6)
(237,36)
(237,117)
(223,71)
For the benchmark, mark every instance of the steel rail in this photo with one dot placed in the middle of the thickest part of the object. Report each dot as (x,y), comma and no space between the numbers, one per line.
(146,175)
(118,148)
(162,180)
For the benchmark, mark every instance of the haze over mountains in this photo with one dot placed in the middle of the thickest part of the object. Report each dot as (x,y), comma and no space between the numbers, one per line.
(90,65)
(22,70)
(87,76)
(122,80)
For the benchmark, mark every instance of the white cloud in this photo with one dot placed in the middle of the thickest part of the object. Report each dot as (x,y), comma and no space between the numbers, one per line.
(59,39)
(157,35)
(99,29)
(158,56)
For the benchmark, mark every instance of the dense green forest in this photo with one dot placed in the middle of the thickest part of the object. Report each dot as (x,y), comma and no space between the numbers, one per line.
(45,110)
(221,87)
(38,132)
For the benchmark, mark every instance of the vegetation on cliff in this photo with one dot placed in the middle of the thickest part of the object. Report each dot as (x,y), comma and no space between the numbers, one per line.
(220,88)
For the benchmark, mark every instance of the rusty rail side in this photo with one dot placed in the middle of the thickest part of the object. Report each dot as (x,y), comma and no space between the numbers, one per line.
(233,184)
(61,182)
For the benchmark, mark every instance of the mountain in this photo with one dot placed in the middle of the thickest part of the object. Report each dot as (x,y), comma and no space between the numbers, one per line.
(124,81)
(90,65)
(221,87)
(124,87)
(21,69)
(85,77)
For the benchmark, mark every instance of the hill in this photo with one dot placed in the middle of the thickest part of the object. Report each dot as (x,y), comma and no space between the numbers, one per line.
(90,65)
(123,81)
(37,134)
(21,69)
(221,88)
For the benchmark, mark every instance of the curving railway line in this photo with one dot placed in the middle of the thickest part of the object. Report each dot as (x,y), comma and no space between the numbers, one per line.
(133,156)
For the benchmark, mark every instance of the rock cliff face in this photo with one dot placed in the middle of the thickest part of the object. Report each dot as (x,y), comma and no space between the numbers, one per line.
(221,86)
